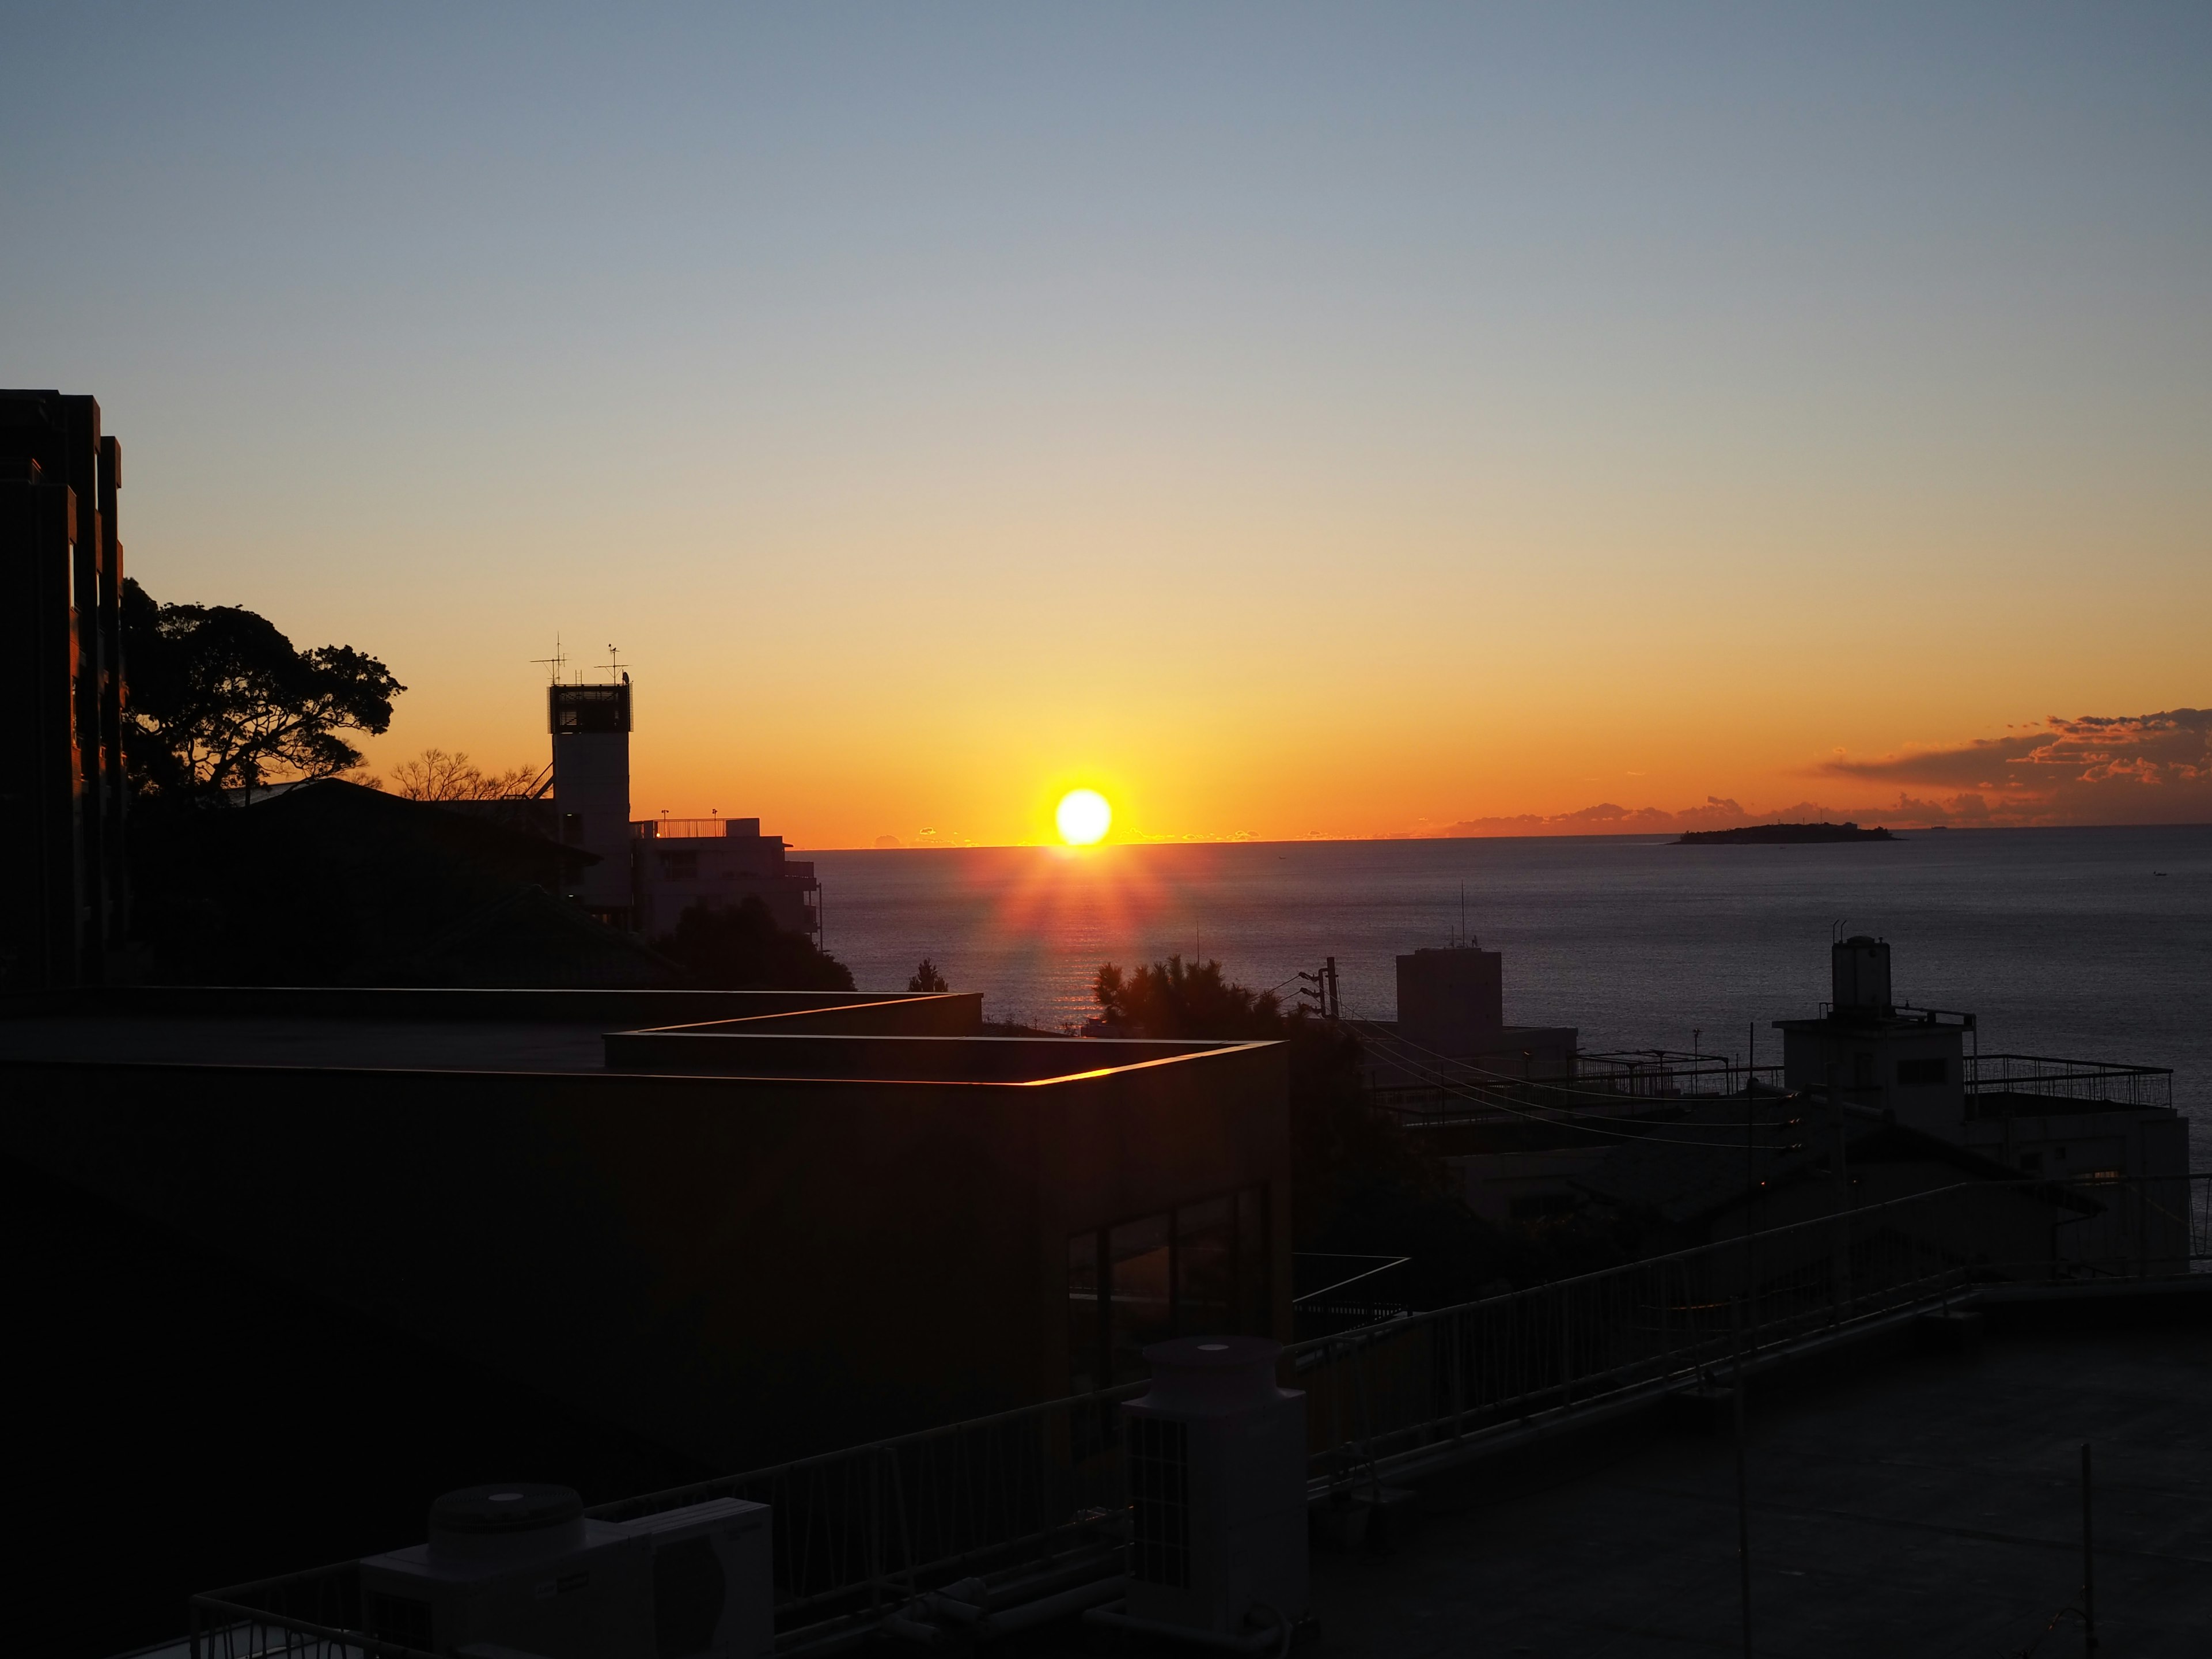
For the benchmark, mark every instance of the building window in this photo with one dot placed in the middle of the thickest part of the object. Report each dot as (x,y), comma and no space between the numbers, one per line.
(1200,1269)
(1140,1289)
(1086,1315)
(1919,1073)
(1205,1265)
(679,866)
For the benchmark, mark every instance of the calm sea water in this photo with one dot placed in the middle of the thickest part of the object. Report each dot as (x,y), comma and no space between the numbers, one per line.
(2091,943)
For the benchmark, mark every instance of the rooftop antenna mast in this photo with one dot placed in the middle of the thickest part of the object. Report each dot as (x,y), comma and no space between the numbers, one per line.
(615,664)
(553,663)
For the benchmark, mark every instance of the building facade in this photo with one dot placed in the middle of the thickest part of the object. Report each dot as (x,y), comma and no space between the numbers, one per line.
(62,794)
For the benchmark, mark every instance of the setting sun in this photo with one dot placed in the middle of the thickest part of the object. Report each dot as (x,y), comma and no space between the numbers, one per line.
(1084,816)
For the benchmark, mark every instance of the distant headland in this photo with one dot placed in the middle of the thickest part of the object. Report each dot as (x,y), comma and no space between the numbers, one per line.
(1781,835)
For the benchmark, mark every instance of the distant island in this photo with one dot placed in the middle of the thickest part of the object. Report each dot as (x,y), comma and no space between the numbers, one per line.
(1789,835)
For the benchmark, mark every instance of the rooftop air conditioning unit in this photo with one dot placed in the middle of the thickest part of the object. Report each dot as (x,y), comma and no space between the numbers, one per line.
(1215,1462)
(519,1566)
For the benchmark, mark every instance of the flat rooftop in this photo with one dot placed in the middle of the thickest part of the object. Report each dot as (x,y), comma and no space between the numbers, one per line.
(1924,1505)
(757,1035)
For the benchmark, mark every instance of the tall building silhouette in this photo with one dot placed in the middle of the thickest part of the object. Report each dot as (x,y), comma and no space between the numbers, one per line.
(590,727)
(61,796)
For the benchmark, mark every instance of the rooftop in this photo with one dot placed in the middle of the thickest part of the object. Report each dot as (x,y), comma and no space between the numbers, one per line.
(734,1035)
(1931,1505)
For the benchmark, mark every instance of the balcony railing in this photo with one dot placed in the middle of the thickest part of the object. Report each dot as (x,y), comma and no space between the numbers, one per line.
(692,829)
(1036,1493)
(2001,1081)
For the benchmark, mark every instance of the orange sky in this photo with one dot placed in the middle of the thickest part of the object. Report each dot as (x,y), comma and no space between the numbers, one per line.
(1335,424)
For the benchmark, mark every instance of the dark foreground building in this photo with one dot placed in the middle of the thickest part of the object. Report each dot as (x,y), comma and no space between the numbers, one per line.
(744,1225)
(62,795)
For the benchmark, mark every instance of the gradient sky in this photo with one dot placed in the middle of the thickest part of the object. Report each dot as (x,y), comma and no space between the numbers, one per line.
(1288,420)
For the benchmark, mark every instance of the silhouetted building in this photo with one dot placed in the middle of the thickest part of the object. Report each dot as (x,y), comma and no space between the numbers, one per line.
(328,883)
(649,871)
(591,727)
(61,796)
(745,1224)
(2041,1115)
(1451,1005)
(681,862)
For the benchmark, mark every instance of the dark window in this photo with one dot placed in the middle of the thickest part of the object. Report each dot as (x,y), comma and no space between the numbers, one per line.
(1206,1267)
(1159,1502)
(1086,1325)
(1862,1070)
(1140,1286)
(1199,1270)
(679,866)
(1255,1308)
(1915,1072)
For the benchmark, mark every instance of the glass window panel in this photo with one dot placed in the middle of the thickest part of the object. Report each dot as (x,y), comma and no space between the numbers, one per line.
(1140,1289)
(1256,1314)
(1205,1268)
(1086,1326)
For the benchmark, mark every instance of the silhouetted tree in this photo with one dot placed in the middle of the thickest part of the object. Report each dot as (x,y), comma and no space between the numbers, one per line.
(217,698)
(927,978)
(1331,1128)
(1178,999)
(740,948)
(434,774)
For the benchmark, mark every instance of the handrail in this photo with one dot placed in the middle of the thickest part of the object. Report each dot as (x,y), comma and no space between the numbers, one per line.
(859,1531)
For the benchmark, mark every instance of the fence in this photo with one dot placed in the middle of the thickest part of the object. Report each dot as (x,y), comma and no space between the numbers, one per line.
(1331,1292)
(1038,1490)
(2008,1083)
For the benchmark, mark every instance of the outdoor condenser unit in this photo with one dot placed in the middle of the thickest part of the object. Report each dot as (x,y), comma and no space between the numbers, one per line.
(520,1567)
(1215,1462)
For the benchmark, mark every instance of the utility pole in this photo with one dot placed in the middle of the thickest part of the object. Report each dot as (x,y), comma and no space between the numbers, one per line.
(1743,1317)
(2088,1567)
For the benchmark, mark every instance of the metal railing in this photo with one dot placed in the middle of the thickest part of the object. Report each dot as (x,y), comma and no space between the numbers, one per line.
(1429,1090)
(859,1533)
(1331,1292)
(2011,1079)
(693,829)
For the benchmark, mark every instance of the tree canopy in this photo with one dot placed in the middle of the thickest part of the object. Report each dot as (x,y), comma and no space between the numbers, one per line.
(1178,999)
(927,978)
(219,699)
(740,948)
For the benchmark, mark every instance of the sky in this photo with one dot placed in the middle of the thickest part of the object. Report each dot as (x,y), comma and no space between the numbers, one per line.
(1288,420)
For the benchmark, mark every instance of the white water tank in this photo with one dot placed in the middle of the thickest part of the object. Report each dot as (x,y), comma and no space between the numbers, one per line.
(1215,1461)
(518,1566)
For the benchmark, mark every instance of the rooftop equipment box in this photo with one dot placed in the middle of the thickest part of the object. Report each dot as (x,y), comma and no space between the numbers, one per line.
(1215,1457)
(519,1567)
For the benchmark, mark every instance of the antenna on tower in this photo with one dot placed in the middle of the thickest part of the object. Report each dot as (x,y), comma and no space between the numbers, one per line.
(553,663)
(615,664)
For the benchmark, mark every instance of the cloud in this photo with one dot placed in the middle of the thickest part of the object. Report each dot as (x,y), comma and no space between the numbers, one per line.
(1608,819)
(2095,768)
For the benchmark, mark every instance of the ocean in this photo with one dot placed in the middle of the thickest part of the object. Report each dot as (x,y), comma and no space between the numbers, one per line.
(2087,944)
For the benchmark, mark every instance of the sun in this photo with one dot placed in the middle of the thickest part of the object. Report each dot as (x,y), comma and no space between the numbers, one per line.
(1084,818)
